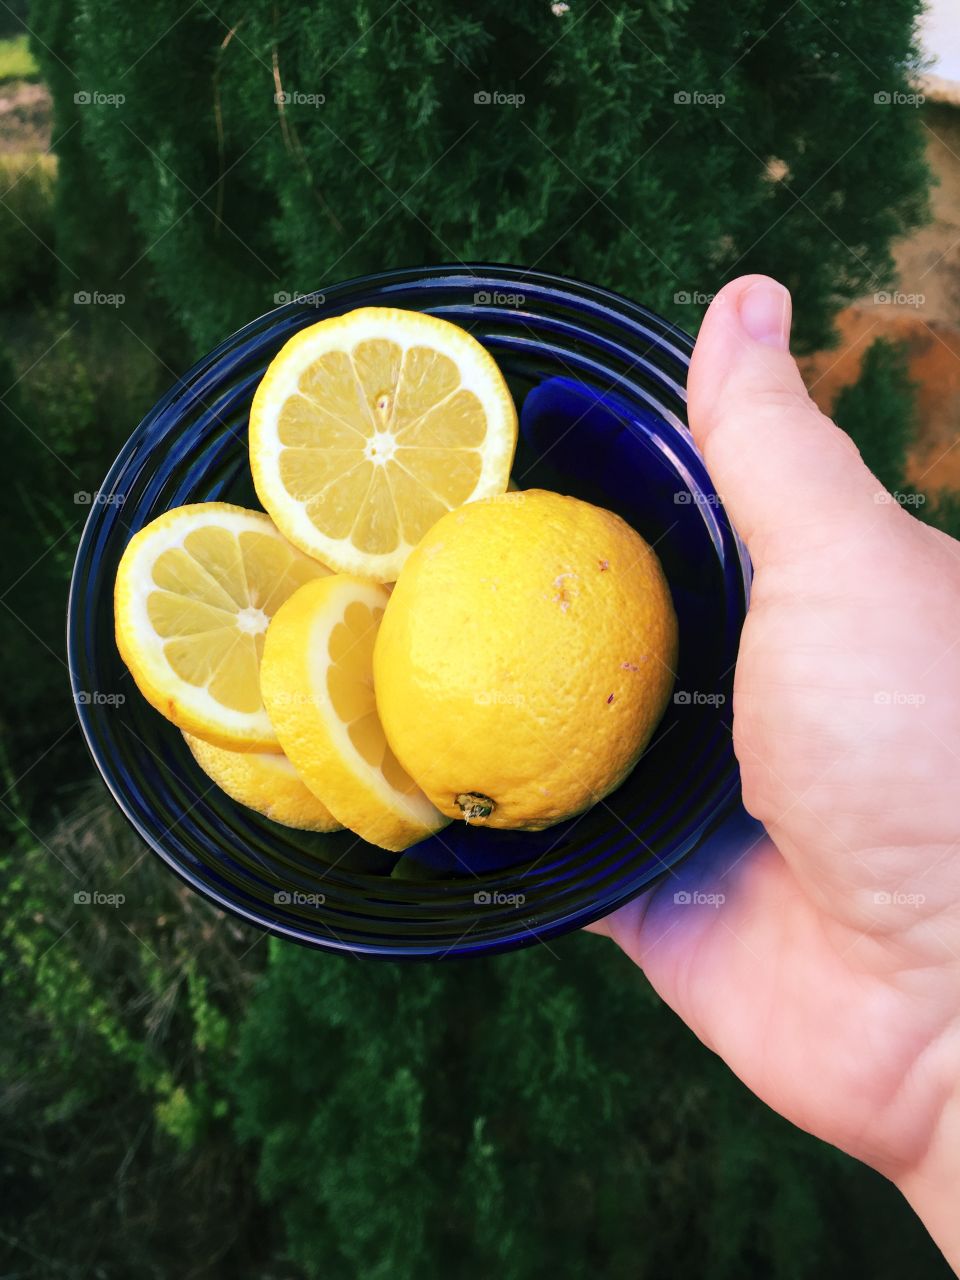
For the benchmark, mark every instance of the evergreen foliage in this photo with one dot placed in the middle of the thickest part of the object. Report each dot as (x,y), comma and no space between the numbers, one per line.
(878,411)
(604,171)
(537,1115)
(541,1114)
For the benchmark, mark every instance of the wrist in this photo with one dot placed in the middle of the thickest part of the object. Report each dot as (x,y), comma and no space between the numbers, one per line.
(932,1184)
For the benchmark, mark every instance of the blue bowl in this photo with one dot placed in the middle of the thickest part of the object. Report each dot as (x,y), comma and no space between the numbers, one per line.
(599,382)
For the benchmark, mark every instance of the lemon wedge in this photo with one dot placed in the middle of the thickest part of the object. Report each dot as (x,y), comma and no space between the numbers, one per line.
(317,683)
(265,782)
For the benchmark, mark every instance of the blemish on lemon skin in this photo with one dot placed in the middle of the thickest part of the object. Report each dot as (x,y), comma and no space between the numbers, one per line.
(610,699)
(563,595)
(604,565)
(474,806)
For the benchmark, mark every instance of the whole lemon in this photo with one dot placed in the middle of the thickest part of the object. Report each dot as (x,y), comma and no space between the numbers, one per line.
(525,657)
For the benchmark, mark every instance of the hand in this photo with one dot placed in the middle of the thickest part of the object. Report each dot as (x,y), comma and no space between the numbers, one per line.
(829,976)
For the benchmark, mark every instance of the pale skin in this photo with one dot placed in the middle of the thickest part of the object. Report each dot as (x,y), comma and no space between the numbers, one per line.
(828,978)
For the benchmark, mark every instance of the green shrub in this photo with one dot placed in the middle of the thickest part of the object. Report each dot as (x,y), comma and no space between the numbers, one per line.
(536,1115)
(944,513)
(601,172)
(26,225)
(879,412)
(16,60)
(117,1152)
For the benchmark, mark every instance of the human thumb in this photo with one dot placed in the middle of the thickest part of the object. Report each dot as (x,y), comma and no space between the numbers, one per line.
(789,478)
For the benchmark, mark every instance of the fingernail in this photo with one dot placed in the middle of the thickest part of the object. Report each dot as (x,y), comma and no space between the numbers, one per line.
(765,311)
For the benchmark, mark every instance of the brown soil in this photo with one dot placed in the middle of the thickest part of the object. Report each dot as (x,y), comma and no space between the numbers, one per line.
(933,350)
(24,117)
(923,311)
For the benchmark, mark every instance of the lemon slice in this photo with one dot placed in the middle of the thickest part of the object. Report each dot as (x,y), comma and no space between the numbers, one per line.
(317,682)
(370,426)
(265,782)
(194,593)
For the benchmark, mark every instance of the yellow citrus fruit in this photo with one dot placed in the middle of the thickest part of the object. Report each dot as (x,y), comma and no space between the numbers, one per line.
(368,427)
(525,658)
(194,593)
(263,781)
(317,682)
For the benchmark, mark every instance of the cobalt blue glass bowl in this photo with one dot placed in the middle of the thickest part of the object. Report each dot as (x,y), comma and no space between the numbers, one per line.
(599,383)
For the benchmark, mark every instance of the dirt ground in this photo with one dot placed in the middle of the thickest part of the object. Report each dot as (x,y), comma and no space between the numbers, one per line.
(923,311)
(24,117)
